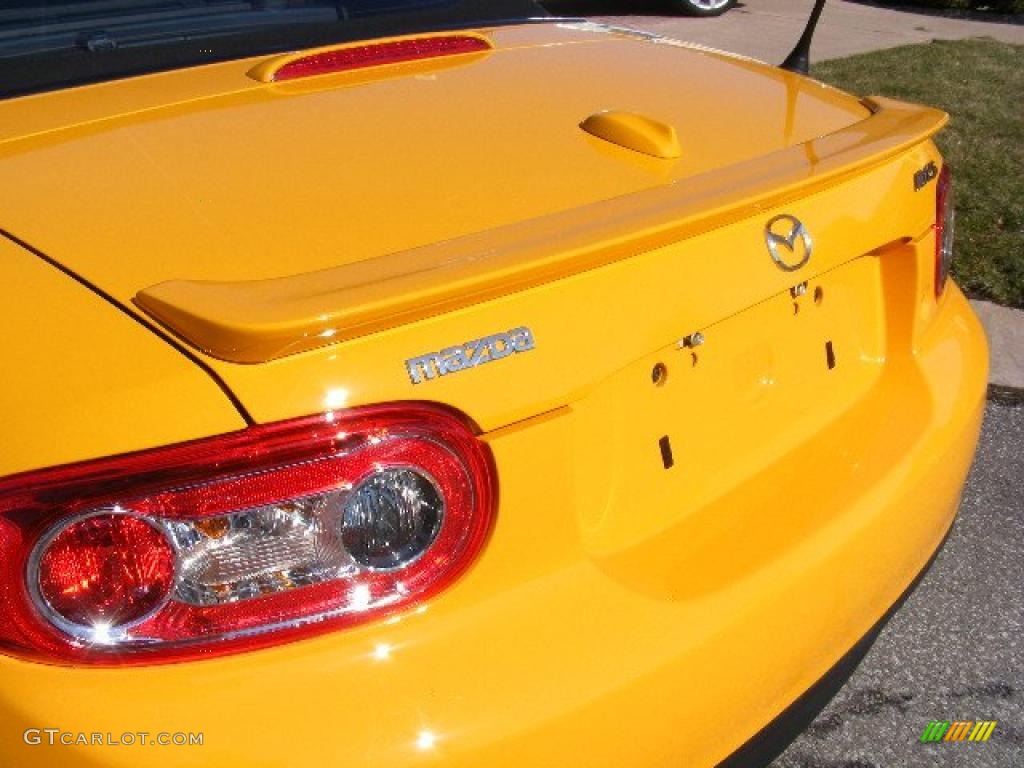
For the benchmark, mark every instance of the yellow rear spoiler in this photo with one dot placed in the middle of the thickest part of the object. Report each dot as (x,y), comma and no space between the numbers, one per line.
(259,320)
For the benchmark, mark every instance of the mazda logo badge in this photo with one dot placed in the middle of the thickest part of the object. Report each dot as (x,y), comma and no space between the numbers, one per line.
(789,242)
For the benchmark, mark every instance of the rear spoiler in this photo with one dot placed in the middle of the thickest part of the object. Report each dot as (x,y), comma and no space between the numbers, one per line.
(260,320)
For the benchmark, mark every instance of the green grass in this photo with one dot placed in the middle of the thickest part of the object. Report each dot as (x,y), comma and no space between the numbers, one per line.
(981,84)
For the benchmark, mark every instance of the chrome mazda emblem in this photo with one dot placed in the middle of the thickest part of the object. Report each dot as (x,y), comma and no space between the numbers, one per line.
(470,354)
(787,233)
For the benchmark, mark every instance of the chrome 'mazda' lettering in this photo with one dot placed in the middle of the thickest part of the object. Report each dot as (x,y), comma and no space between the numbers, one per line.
(468,355)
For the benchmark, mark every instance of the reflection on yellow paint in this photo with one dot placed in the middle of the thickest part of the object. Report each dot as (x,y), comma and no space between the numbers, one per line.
(426,740)
(336,397)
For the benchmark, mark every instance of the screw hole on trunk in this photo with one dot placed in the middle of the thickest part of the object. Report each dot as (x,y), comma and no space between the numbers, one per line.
(830,355)
(659,374)
(666,452)
(819,294)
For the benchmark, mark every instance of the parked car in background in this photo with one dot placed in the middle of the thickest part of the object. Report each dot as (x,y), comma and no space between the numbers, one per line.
(700,7)
(446,383)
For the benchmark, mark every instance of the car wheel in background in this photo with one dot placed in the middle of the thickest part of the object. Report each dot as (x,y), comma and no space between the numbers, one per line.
(700,7)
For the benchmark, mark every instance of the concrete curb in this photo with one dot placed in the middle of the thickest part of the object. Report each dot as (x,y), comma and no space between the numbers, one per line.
(1004,327)
(1005,395)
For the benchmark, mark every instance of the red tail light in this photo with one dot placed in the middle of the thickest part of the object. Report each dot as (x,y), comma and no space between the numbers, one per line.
(104,569)
(243,540)
(378,54)
(945,218)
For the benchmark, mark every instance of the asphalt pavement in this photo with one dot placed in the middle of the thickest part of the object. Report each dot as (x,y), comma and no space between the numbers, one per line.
(955,650)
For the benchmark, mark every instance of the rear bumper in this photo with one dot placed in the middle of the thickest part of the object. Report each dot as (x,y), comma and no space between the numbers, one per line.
(768,743)
(549,652)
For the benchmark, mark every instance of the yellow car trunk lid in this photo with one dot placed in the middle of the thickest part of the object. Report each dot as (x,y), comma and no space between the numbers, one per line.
(233,179)
(335,228)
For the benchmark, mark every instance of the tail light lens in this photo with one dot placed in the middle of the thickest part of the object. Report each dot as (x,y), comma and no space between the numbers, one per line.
(945,219)
(243,540)
(104,570)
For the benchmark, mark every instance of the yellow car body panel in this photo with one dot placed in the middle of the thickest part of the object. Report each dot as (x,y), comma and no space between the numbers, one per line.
(627,610)
(69,353)
(560,648)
